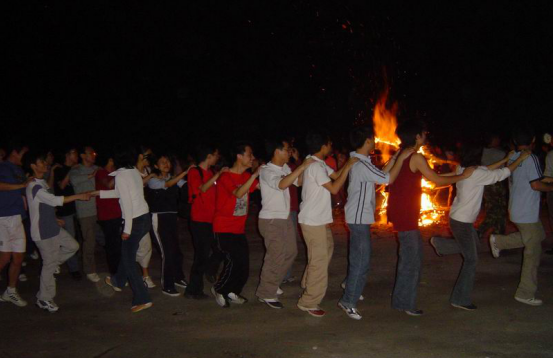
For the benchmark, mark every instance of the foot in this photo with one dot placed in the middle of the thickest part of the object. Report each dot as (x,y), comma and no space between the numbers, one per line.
(22,277)
(272,302)
(196,296)
(219,298)
(493,246)
(414,312)
(181,284)
(108,282)
(469,307)
(530,301)
(343,285)
(14,298)
(142,307)
(237,299)
(148,282)
(351,312)
(289,279)
(76,275)
(49,306)
(93,277)
(171,292)
(279,291)
(315,312)
(433,244)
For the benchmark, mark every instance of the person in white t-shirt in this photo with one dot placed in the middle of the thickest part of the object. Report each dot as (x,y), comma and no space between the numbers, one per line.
(319,182)
(275,223)
(462,216)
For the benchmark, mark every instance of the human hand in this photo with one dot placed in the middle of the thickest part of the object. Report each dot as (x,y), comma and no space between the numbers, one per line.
(93,174)
(525,154)
(351,161)
(125,236)
(61,223)
(405,153)
(55,166)
(85,196)
(307,161)
(28,181)
(510,154)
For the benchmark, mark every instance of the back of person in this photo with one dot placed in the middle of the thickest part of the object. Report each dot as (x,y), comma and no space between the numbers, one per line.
(404,203)
(11,202)
(316,205)
(203,204)
(524,202)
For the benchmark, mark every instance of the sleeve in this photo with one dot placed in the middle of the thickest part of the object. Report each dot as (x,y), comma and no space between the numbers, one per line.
(181,182)
(126,203)
(194,183)
(321,175)
(109,194)
(372,174)
(533,168)
(269,178)
(549,164)
(226,184)
(487,177)
(156,183)
(47,198)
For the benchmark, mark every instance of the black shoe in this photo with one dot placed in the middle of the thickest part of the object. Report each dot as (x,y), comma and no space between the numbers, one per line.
(196,296)
(76,275)
(171,292)
(470,307)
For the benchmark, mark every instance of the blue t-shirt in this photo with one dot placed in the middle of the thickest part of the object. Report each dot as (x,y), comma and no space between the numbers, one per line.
(11,202)
(524,202)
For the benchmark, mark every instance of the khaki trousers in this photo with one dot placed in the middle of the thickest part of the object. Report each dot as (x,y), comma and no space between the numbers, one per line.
(88,229)
(530,237)
(320,246)
(279,237)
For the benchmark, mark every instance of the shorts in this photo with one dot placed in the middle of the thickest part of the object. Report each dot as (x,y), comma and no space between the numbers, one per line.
(12,234)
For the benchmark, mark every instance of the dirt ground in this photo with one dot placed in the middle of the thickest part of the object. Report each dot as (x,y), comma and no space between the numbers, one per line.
(95,322)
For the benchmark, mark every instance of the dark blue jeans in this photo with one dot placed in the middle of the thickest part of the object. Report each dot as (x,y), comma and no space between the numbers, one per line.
(127,266)
(408,270)
(359,263)
(465,243)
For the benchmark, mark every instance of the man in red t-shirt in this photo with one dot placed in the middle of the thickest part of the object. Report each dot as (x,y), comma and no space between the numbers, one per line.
(201,194)
(109,215)
(231,212)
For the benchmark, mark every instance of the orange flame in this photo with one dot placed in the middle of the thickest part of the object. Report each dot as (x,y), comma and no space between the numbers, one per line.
(385,124)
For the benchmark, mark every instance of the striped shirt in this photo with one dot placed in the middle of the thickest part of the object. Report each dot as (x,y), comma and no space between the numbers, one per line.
(524,202)
(361,196)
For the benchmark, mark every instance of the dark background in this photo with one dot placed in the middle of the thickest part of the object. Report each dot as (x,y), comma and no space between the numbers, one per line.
(105,72)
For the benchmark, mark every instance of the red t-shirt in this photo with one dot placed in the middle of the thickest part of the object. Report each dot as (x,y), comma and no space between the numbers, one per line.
(203,204)
(107,208)
(230,212)
(404,203)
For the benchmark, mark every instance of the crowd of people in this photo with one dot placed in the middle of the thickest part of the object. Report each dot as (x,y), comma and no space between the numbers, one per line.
(125,199)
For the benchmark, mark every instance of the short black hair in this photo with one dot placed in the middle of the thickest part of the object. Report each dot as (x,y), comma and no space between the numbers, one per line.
(238,147)
(407,132)
(201,151)
(125,156)
(315,141)
(31,157)
(523,134)
(358,135)
(272,144)
(16,145)
(471,154)
(103,158)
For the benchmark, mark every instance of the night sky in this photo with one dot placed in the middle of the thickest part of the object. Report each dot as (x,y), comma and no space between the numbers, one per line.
(103,72)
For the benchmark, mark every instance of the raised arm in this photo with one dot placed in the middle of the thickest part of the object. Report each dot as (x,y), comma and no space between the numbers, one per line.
(421,165)
(335,186)
(208,184)
(243,190)
(291,178)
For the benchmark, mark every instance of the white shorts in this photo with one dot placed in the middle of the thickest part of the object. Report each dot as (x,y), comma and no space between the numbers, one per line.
(12,234)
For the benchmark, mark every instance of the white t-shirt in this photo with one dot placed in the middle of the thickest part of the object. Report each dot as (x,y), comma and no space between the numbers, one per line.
(275,201)
(524,202)
(316,206)
(467,203)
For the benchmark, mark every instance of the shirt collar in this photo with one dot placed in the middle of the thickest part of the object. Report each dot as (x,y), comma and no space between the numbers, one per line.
(360,156)
(315,158)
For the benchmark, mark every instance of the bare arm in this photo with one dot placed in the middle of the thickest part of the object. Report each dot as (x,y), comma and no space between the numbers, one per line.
(398,162)
(83,196)
(525,154)
(420,163)
(291,178)
(208,184)
(335,186)
(10,187)
(501,162)
(541,186)
(243,190)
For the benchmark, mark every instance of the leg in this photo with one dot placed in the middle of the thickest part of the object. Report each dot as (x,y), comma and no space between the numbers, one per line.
(144,253)
(467,238)
(532,236)
(408,270)
(274,234)
(73,261)
(49,250)
(242,259)
(226,247)
(202,237)
(359,263)
(89,243)
(112,233)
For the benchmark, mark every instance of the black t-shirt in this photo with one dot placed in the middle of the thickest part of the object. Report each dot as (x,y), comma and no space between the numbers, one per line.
(59,175)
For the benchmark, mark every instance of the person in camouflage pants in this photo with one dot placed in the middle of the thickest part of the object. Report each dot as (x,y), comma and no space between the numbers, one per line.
(495,206)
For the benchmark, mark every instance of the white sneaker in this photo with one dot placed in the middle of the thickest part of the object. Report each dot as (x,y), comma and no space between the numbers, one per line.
(49,306)
(148,282)
(351,312)
(34,255)
(236,299)
(530,301)
(22,277)
(219,298)
(343,285)
(14,298)
(279,291)
(93,277)
(495,250)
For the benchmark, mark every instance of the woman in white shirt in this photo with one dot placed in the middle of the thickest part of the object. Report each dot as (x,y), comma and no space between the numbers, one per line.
(137,222)
(462,216)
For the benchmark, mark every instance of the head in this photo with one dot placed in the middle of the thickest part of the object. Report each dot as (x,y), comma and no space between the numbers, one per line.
(471,155)
(88,156)
(16,151)
(50,158)
(146,159)
(163,165)
(71,156)
(362,137)
(35,164)
(318,142)
(126,156)
(242,153)
(494,141)
(411,134)
(278,150)
(206,153)
(523,136)
(105,160)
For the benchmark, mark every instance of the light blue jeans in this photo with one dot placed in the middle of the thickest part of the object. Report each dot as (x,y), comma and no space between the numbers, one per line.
(359,263)
(408,270)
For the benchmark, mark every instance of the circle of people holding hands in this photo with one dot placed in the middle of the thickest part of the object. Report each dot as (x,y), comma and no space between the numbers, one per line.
(133,197)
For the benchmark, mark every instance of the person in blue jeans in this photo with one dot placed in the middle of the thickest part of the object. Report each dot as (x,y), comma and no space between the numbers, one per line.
(137,222)
(360,212)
